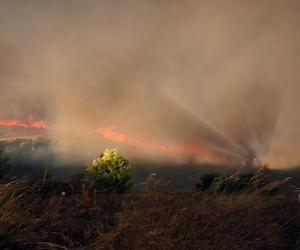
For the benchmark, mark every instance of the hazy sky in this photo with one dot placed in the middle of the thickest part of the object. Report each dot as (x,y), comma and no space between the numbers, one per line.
(223,74)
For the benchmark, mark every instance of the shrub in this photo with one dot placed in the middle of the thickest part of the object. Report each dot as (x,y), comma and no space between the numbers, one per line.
(110,172)
(219,184)
(231,184)
(206,181)
(3,165)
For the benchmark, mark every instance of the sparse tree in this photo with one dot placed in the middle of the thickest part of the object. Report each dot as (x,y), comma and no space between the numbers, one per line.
(110,172)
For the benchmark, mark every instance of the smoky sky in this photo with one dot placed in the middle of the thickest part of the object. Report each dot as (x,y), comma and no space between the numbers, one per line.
(223,73)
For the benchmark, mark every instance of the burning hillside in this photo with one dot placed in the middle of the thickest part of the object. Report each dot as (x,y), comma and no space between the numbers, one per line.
(163,95)
(187,148)
(113,133)
(194,80)
(30,122)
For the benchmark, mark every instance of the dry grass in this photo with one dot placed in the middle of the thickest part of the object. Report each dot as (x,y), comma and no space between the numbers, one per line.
(39,216)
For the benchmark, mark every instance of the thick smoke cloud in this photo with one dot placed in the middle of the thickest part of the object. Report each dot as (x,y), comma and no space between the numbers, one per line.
(220,73)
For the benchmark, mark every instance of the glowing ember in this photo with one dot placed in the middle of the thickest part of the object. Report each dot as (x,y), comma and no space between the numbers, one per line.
(29,123)
(112,133)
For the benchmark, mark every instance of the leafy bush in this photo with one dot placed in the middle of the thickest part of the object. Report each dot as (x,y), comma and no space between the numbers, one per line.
(3,165)
(110,172)
(219,184)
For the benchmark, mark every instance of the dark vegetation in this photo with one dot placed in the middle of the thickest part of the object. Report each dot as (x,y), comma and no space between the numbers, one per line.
(240,211)
(4,166)
(241,182)
(60,215)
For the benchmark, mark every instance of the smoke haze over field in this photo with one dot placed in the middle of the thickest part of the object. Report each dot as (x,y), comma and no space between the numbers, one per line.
(219,76)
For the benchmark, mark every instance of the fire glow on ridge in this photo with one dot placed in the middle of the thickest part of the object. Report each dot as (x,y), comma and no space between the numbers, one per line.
(30,122)
(187,148)
(113,133)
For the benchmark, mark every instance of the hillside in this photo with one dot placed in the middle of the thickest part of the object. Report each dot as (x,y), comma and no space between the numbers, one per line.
(30,157)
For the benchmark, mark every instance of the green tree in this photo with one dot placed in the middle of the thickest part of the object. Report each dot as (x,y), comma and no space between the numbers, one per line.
(3,165)
(110,172)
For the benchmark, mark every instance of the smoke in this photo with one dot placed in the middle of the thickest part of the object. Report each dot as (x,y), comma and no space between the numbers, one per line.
(222,75)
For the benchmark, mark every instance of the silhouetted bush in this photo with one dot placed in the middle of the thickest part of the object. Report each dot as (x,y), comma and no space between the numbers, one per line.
(231,184)
(206,181)
(110,172)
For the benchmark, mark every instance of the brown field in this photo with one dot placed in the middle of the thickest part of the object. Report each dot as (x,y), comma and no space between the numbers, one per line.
(60,215)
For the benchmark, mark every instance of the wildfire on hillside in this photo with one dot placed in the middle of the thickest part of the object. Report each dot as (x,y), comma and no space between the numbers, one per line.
(186,148)
(30,122)
(113,133)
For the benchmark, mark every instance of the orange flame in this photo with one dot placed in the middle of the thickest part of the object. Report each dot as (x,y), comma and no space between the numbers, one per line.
(112,133)
(29,123)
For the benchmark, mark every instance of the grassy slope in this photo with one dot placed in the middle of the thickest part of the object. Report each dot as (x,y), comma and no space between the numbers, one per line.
(37,216)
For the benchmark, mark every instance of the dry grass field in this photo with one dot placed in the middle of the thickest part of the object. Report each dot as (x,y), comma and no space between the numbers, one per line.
(70,215)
